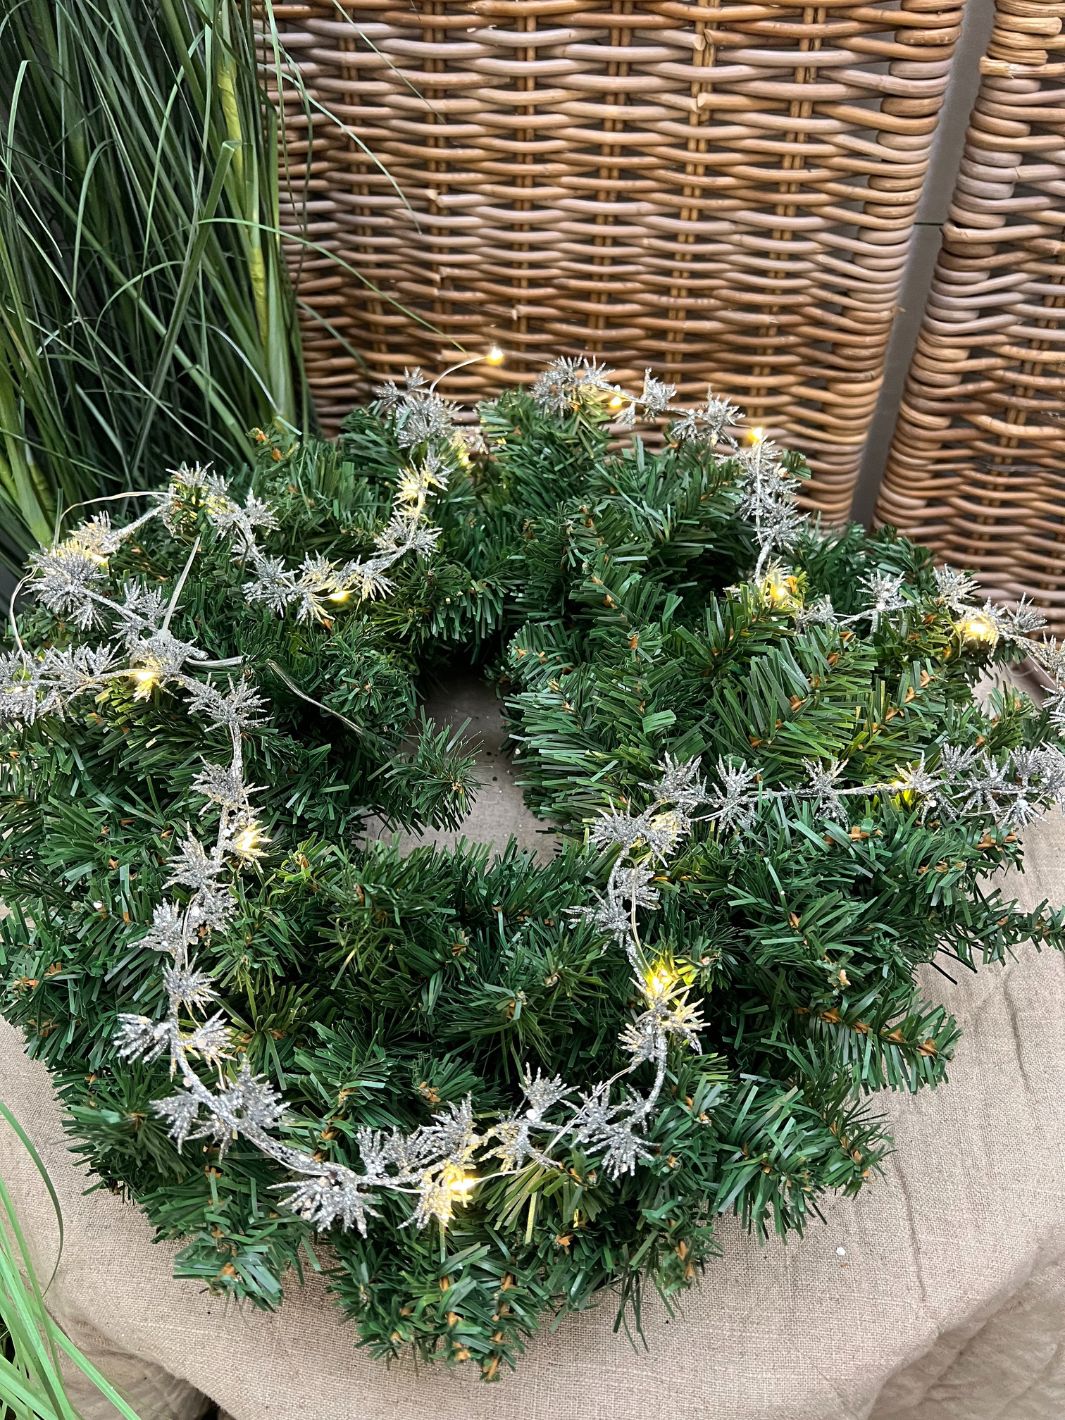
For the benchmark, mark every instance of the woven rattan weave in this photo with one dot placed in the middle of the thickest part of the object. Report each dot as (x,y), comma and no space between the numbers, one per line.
(724,192)
(976,467)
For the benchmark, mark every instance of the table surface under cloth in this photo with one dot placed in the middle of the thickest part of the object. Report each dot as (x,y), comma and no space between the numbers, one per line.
(948,1301)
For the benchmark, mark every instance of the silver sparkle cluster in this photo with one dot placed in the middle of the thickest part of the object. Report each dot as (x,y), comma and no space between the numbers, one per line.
(566,382)
(651,403)
(710,423)
(572,382)
(768,500)
(1010,792)
(966,783)
(421,415)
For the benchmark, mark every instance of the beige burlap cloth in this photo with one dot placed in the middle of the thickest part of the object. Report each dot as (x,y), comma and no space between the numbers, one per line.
(938,1294)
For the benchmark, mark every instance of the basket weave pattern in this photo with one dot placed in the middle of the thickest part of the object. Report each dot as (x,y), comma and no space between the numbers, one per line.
(723,192)
(976,463)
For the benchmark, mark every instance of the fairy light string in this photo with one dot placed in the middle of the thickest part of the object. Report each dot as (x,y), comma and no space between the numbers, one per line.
(441,1164)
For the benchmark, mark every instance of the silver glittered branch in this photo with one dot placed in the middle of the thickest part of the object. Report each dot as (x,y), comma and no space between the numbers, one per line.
(989,622)
(1011,791)
(768,500)
(886,595)
(569,384)
(985,624)
(710,423)
(651,403)
(967,783)
(644,843)
(561,388)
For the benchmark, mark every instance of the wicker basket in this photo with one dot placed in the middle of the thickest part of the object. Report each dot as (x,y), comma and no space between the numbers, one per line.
(976,467)
(724,192)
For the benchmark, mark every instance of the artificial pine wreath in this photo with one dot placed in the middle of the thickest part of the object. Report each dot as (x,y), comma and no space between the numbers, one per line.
(499,1086)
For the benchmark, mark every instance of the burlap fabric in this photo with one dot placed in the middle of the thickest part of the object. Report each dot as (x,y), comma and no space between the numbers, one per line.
(938,1294)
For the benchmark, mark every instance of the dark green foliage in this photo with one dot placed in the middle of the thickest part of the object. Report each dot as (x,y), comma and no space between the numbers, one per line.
(604,593)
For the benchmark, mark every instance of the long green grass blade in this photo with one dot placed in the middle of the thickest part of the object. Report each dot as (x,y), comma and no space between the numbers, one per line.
(38,1163)
(33,1348)
(129,128)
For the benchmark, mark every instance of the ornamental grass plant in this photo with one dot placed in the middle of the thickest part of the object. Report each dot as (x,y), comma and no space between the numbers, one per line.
(499,1088)
(144,303)
(36,1356)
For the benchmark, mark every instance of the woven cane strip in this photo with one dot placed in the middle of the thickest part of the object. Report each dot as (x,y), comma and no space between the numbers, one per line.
(977,466)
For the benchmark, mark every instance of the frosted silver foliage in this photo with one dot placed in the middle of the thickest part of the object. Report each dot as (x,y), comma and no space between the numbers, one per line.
(819,612)
(709,423)
(652,401)
(956,782)
(515,1134)
(392,396)
(614,1130)
(768,495)
(220,784)
(1009,791)
(420,415)
(1055,710)
(35,687)
(333,1196)
(823,787)
(732,801)
(189,988)
(884,594)
(238,708)
(69,581)
(559,389)
(173,929)
(955,588)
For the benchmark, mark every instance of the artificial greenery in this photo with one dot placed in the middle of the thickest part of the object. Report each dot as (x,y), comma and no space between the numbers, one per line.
(144,303)
(774,798)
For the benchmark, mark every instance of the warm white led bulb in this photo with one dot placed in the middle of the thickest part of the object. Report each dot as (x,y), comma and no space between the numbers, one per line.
(977,628)
(661,982)
(145,679)
(249,840)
